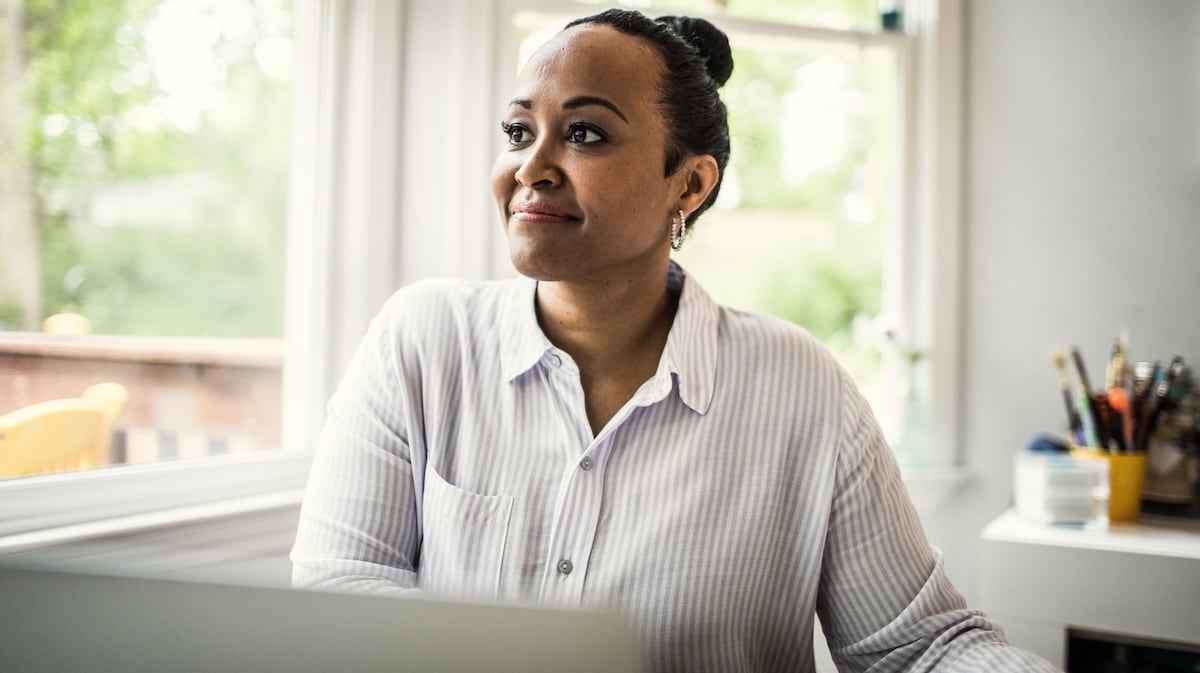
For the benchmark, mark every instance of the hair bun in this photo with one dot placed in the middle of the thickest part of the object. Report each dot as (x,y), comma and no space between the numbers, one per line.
(709,40)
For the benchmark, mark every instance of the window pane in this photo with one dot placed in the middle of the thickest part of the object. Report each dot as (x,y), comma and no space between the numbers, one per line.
(808,208)
(144,196)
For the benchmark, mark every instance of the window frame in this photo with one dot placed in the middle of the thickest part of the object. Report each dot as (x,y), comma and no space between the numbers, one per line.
(338,270)
(935,114)
(353,237)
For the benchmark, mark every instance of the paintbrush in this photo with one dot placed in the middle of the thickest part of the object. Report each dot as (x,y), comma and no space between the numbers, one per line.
(1095,430)
(1073,418)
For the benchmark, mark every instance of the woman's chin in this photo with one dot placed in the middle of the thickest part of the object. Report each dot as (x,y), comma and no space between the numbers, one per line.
(539,258)
(535,264)
(540,271)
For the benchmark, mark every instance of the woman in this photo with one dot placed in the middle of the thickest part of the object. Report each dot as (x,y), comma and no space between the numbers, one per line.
(601,433)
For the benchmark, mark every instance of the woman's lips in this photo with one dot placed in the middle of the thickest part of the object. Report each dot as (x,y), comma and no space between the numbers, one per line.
(531,211)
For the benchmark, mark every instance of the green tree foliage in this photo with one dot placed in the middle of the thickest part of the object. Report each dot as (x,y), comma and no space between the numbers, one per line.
(73,58)
(135,284)
(815,262)
(161,200)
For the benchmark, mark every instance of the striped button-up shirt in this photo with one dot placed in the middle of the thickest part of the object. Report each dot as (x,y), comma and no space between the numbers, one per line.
(743,490)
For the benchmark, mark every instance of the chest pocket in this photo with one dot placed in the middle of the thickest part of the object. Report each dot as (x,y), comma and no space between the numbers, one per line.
(464,538)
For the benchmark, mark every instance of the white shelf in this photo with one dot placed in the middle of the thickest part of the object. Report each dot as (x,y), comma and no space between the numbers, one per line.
(1157,536)
(1138,580)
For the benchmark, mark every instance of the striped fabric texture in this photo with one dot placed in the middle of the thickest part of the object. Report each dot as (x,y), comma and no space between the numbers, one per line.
(743,490)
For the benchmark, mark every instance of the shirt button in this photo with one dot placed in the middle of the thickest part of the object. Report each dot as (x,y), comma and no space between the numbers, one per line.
(565,567)
(586,463)
(555,360)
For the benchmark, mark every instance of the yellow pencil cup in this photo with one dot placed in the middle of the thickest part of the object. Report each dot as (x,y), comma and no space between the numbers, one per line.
(1125,474)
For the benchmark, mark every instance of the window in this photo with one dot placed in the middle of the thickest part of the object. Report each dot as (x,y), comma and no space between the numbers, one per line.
(818,219)
(144,181)
(144,190)
(338,261)
(384,180)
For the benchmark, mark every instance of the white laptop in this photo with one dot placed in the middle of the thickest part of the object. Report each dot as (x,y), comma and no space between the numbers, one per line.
(71,622)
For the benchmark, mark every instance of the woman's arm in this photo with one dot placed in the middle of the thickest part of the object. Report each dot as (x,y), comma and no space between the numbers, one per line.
(885,601)
(360,522)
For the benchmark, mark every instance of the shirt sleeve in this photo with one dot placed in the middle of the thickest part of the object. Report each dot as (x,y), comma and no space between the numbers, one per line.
(359,527)
(885,602)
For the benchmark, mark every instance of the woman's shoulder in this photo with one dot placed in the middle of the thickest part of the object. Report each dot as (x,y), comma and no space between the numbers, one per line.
(446,295)
(439,306)
(764,332)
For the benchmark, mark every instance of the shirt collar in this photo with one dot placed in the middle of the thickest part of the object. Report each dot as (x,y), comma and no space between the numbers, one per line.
(690,355)
(522,342)
(692,342)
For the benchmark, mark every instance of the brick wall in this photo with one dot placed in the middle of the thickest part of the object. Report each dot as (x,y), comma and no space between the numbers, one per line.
(188,397)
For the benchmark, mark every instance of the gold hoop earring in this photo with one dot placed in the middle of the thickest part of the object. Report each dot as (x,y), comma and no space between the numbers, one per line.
(677,238)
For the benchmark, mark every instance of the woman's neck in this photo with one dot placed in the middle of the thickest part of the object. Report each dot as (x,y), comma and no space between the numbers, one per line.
(608,321)
(614,330)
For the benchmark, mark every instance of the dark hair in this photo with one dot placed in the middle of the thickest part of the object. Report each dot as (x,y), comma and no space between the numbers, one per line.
(698,62)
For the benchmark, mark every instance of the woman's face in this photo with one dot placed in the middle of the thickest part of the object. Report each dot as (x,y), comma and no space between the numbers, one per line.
(580,184)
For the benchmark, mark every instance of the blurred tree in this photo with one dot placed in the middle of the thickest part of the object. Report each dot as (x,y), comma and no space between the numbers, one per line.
(20,292)
(150,107)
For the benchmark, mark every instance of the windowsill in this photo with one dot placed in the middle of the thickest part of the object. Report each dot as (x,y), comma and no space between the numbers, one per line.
(75,500)
(158,519)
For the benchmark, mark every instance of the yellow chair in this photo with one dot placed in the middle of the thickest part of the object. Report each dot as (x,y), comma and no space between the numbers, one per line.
(67,324)
(61,435)
(113,395)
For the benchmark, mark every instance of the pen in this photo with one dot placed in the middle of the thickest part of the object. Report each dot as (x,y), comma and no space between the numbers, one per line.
(1139,389)
(1164,379)
(1177,387)
(1106,417)
(1118,402)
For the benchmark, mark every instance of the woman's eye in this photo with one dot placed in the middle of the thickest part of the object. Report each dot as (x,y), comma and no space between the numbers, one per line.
(584,134)
(517,134)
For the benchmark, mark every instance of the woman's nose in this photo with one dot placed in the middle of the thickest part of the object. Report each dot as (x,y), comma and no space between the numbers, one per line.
(539,167)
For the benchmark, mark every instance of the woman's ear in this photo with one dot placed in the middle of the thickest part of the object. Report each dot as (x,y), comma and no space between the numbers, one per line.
(700,173)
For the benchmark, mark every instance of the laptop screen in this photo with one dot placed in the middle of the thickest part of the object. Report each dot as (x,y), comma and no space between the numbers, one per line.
(66,622)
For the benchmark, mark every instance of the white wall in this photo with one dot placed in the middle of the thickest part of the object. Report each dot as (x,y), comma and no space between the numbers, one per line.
(1082,215)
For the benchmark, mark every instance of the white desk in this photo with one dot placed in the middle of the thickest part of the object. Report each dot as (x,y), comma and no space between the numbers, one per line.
(1139,580)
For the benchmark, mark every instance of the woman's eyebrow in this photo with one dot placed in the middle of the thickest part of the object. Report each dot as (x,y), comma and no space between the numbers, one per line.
(576,102)
(583,101)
